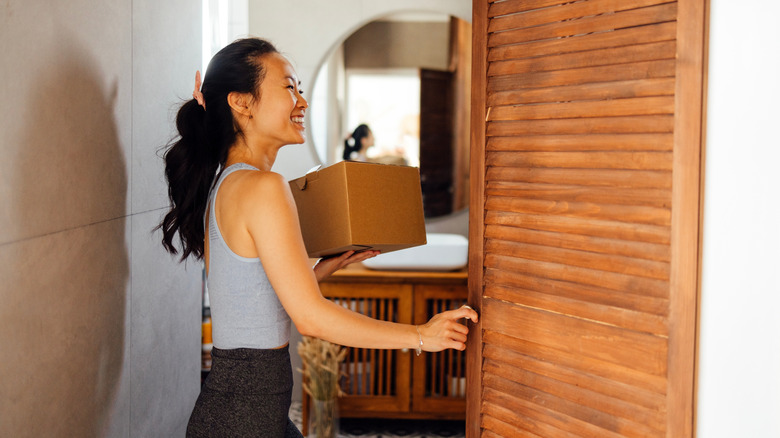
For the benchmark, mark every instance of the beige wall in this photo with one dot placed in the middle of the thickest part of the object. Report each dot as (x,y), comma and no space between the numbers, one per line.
(385,44)
(99,328)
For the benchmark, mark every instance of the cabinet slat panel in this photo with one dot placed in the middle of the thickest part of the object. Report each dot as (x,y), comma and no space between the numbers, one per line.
(586,75)
(577,226)
(653,310)
(598,195)
(591,58)
(503,34)
(623,37)
(591,277)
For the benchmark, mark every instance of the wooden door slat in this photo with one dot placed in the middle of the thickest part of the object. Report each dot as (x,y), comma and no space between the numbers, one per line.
(641,351)
(618,213)
(591,58)
(655,309)
(615,399)
(608,280)
(581,226)
(599,245)
(543,418)
(502,35)
(585,413)
(582,142)
(573,193)
(583,177)
(639,106)
(585,92)
(570,359)
(561,15)
(650,33)
(587,75)
(614,316)
(583,160)
(583,259)
(595,125)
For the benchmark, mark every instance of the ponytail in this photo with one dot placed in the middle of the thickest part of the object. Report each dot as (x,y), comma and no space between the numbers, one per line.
(200,150)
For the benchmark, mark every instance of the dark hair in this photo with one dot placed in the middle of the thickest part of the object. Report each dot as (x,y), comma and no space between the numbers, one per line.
(357,137)
(194,157)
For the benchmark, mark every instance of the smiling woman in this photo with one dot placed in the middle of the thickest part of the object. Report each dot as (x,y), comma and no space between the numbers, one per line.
(258,273)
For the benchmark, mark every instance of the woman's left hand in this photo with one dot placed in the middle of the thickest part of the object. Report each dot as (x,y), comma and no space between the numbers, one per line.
(327,266)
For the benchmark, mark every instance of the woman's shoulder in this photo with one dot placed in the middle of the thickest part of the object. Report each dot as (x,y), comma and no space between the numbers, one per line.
(268,186)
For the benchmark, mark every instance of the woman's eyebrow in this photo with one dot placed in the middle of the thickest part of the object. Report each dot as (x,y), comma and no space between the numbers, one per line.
(293,79)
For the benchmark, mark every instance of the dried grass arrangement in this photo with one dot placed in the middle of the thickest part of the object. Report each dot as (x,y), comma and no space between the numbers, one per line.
(321,361)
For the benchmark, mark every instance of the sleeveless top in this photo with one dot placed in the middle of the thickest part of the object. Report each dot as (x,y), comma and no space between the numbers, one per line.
(245,311)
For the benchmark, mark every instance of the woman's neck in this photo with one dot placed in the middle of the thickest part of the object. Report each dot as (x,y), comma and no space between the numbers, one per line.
(261,158)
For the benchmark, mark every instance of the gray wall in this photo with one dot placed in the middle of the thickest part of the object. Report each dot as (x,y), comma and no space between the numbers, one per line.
(100,329)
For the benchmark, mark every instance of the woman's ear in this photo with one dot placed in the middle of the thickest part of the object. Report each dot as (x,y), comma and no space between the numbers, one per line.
(240,102)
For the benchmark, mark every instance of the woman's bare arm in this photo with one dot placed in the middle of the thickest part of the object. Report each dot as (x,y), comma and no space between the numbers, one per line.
(269,214)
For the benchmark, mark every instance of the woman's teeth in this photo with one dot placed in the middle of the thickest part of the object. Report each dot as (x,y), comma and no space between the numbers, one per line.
(297,120)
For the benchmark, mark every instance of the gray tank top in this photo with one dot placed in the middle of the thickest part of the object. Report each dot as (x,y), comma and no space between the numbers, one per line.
(245,311)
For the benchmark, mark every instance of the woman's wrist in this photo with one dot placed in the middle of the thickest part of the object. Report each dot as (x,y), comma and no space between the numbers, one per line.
(419,344)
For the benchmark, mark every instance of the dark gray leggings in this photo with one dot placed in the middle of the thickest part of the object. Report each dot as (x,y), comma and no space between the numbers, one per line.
(246,394)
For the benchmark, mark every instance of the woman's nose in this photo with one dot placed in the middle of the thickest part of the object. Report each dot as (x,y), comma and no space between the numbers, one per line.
(302,102)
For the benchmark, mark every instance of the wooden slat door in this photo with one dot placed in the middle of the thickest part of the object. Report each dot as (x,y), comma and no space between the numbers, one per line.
(584,262)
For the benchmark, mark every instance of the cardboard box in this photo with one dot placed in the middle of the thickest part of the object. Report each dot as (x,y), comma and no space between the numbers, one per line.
(356,206)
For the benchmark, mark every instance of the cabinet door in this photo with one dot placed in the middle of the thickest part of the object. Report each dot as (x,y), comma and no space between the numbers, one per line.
(375,381)
(439,383)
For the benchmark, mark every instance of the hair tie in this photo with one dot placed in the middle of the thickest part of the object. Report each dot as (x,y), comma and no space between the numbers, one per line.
(197,95)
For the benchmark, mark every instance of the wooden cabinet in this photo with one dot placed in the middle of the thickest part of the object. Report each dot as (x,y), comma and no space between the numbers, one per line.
(398,383)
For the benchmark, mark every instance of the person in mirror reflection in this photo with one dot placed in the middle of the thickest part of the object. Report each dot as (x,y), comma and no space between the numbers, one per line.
(357,144)
(230,210)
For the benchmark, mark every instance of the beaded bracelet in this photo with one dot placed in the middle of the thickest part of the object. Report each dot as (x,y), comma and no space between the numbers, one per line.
(419,348)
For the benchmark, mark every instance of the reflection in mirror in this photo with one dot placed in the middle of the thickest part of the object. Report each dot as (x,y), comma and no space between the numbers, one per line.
(407,77)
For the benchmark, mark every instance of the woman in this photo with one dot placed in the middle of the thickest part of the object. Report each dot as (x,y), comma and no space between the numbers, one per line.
(361,139)
(258,274)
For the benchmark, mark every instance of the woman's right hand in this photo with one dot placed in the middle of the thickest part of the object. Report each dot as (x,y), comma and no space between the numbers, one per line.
(444,331)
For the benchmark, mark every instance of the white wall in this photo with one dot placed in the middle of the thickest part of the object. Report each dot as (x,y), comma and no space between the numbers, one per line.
(739,355)
(99,329)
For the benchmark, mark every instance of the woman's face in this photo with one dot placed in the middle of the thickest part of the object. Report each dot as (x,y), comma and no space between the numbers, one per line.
(367,141)
(279,111)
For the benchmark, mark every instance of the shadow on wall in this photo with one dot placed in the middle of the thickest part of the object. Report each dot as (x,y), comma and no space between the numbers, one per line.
(65,275)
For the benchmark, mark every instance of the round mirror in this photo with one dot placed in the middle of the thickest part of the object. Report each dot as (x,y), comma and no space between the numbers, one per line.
(405,77)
